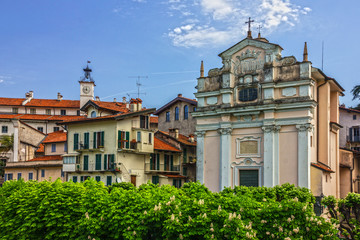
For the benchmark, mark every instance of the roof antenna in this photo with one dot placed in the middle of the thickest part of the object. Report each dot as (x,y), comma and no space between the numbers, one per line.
(138,84)
(322,57)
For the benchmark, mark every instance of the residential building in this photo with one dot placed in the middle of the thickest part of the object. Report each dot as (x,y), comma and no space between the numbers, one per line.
(177,114)
(45,167)
(265,120)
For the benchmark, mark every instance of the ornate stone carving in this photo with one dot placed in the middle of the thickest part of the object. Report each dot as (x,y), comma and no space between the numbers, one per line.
(305,127)
(225,131)
(227,64)
(246,161)
(214,72)
(200,134)
(249,54)
(271,128)
(286,61)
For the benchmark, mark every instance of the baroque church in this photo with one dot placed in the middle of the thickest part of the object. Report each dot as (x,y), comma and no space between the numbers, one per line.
(265,120)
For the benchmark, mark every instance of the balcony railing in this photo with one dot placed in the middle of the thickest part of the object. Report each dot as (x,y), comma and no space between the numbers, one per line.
(162,168)
(353,138)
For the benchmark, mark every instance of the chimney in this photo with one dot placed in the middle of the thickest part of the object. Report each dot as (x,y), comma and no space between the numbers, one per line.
(305,54)
(124,99)
(133,105)
(179,95)
(139,104)
(202,69)
(59,97)
(29,95)
(174,132)
(97,98)
(114,99)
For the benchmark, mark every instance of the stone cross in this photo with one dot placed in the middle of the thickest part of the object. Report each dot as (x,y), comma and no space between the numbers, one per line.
(249,22)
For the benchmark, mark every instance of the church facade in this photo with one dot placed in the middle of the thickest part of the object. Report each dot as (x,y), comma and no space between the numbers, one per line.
(266,120)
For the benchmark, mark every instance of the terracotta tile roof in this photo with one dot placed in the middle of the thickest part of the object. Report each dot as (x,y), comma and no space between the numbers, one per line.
(164,146)
(58,136)
(349,109)
(177,99)
(11,101)
(41,148)
(173,176)
(58,118)
(112,106)
(40,102)
(182,139)
(47,158)
(154,119)
(322,167)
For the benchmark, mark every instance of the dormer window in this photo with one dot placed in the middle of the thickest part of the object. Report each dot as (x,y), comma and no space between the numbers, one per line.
(248,94)
(93,114)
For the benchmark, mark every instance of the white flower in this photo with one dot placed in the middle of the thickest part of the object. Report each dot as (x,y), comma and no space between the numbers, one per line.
(296,230)
(134,233)
(172,217)
(180,214)
(145,212)
(212,235)
(289,220)
(211,229)
(267,233)
(204,216)
(190,219)
(211,225)
(181,236)
(87,215)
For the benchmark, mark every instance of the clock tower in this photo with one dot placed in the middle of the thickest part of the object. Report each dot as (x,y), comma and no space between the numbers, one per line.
(87,85)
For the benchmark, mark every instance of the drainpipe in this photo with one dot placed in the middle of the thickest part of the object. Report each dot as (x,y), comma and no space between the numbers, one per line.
(317,121)
(351,174)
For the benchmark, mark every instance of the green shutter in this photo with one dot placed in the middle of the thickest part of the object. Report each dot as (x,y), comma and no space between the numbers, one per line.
(98,178)
(151,161)
(86,140)
(158,161)
(119,139)
(155,179)
(171,162)
(185,171)
(102,139)
(81,178)
(94,143)
(76,141)
(98,162)
(74,179)
(249,178)
(108,180)
(112,162)
(185,155)
(174,182)
(86,163)
(105,162)
(127,138)
(166,159)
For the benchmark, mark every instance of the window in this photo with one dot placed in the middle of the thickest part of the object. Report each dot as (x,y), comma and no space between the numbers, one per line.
(15,110)
(176,114)
(4,129)
(56,129)
(53,147)
(154,161)
(19,176)
(166,162)
(93,114)
(78,112)
(69,159)
(185,171)
(48,111)
(62,173)
(65,147)
(41,129)
(98,162)
(109,162)
(42,172)
(354,117)
(108,180)
(150,138)
(32,111)
(98,139)
(86,140)
(248,94)
(186,112)
(138,136)
(194,109)
(86,163)
(123,140)
(76,141)
(177,183)
(63,112)
(10,176)
(249,178)
(168,116)
(155,179)
(75,179)
(98,178)
(30,176)
(185,155)
(144,122)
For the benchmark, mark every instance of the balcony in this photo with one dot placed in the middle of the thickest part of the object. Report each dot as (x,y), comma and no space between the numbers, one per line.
(162,168)
(84,148)
(353,138)
(191,160)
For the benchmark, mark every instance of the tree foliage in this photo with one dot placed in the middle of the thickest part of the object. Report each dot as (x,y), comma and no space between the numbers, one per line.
(89,210)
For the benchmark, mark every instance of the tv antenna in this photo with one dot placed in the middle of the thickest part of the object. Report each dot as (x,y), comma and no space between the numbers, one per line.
(138,83)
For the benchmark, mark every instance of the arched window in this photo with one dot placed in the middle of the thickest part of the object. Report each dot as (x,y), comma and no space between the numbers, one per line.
(168,116)
(93,114)
(248,94)
(176,113)
(186,112)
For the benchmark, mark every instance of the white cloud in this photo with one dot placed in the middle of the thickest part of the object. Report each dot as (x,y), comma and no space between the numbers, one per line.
(219,22)
(1,80)
(139,1)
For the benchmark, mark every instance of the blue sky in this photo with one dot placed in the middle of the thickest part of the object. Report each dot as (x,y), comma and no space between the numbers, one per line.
(45,44)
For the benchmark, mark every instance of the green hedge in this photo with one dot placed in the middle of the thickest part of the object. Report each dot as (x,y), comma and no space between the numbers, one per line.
(89,210)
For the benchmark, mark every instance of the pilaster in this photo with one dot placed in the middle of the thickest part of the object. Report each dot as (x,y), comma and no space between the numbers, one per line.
(225,155)
(16,141)
(200,155)
(304,154)
(271,155)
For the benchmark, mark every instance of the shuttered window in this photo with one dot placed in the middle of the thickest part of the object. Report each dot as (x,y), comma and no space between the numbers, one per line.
(76,141)
(86,163)
(105,162)
(108,180)
(98,162)
(249,178)
(74,178)
(155,179)
(99,139)
(171,163)
(86,140)
(123,140)
(97,178)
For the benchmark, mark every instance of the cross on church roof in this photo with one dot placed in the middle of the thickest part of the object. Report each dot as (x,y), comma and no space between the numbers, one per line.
(249,22)
(259,27)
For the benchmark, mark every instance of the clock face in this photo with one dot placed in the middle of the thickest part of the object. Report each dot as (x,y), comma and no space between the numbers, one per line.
(86,89)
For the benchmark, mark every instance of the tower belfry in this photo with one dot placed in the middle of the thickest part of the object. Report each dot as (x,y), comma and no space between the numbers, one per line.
(87,85)
(87,74)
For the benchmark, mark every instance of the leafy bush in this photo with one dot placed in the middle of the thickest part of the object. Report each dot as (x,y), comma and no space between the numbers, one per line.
(89,210)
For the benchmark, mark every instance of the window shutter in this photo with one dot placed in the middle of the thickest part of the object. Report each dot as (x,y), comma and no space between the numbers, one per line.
(97,178)
(350,134)
(98,162)
(105,162)
(185,155)
(127,138)
(171,162)
(86,163)
(166,159)
(102,139)
(108,180)
(147,122)
(151,161)
(86,140)
(174,183)
(74,179)
(81,178)
(94,143)
(76,141)
(112,162)
(119,139)
(158,161)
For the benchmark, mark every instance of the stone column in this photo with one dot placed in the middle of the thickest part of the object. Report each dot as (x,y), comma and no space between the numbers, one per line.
(304,154)
(225,158)
(200,156)
(16,141)
(271,155)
